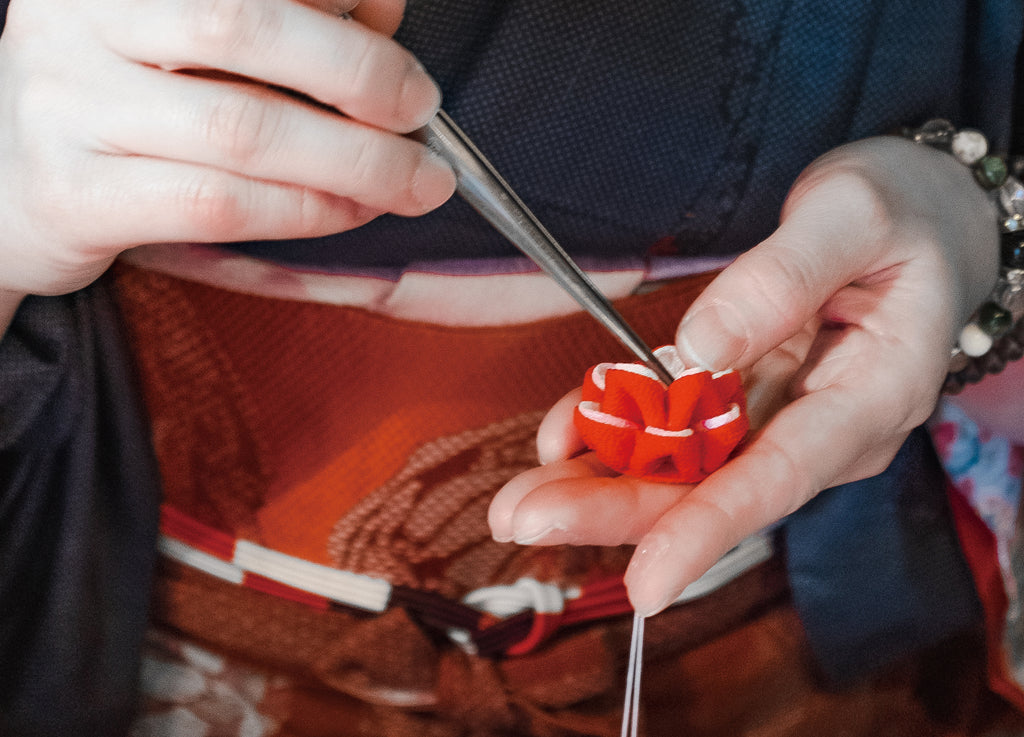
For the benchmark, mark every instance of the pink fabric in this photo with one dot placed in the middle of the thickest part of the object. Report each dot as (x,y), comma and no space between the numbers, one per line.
(455,293)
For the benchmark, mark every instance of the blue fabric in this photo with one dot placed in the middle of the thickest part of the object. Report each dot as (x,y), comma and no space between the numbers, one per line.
(875,568)
(689,120)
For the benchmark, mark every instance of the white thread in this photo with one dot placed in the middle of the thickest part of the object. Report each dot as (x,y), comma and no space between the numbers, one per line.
(631,706)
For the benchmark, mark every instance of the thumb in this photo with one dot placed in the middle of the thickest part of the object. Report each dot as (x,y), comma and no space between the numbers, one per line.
(770,292)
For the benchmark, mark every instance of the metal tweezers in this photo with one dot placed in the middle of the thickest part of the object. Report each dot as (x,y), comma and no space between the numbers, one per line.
(486,190)
(480,184)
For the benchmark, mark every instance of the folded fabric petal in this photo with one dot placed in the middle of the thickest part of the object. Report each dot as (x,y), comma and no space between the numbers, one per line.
(680,433)
(721,435)
(615,436)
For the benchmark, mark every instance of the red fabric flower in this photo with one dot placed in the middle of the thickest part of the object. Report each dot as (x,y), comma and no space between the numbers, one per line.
(680,433)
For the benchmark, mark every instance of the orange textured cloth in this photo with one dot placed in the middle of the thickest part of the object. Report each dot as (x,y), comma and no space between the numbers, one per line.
(374,445)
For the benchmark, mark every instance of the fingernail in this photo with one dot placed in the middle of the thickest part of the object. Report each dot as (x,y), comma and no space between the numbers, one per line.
(420,95)
(649,608)
(529,533)
(648,591)
(714,337)
(434,181)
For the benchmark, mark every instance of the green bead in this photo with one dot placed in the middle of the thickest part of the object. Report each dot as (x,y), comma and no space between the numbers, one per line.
(994,320)
(990,172)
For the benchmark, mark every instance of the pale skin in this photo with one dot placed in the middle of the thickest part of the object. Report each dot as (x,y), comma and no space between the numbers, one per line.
(106,144)
(842,321)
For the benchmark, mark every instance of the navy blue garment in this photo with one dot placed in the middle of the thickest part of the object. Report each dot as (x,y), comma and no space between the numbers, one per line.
(623,126)
(875,568)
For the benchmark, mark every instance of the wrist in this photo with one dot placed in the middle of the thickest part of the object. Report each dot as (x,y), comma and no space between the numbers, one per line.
(994,334)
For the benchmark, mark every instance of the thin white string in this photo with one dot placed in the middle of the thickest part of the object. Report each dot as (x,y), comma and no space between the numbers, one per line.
(631,707)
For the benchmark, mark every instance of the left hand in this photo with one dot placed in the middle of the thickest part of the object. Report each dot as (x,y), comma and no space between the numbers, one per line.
(842,322)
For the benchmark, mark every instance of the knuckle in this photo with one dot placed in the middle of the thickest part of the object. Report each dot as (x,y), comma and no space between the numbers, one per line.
(375,72)
(213,206)
(361,57)
(309,212)
(775,275)
(779,469)
(219,28)
(382,170)
(379,82)
(861,192)
(365,166)
(317,214)
(857,186)
(238,126)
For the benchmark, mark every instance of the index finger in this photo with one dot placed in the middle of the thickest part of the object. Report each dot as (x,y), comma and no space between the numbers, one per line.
(342,64)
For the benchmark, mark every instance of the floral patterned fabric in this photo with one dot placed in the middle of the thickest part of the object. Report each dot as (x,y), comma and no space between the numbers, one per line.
(986,471)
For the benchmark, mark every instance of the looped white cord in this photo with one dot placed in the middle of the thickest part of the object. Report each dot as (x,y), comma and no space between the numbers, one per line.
(526,593)
(506,601)
(631,707)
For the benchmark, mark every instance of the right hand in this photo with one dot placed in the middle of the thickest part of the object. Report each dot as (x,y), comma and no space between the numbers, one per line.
(124,122)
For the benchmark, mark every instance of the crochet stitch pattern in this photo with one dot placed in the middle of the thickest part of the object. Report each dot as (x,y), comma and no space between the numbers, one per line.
(677,434)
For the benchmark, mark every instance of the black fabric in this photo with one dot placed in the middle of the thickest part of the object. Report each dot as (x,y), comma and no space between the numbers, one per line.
(78,513)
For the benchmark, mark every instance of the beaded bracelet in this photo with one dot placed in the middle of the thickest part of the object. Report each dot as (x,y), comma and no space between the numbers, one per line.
(994,336)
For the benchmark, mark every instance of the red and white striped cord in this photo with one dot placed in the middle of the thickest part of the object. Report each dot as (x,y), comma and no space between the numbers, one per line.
(508,619)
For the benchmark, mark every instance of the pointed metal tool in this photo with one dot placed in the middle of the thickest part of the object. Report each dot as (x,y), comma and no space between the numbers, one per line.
(480,184)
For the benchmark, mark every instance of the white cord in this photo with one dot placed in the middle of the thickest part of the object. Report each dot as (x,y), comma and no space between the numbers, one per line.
(631,707)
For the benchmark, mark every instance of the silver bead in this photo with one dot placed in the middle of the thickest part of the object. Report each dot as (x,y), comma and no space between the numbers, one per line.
(936,132)
(969,146)
(1011,197)
(1009,292)
(974,341)
(1007,296)
(1012,224)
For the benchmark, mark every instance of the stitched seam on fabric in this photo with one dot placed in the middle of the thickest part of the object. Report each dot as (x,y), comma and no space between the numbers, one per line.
(741,149)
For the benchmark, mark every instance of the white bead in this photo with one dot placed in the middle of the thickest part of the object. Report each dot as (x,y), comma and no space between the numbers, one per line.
(969,146)
(974,341)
